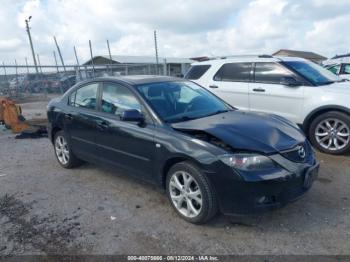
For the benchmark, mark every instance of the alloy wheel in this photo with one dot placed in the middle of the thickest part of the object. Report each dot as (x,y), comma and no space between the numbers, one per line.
(185,194)
(61,149)
(332,134)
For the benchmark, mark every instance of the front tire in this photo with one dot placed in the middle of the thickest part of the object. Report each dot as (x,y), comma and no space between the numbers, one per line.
(330,133)
(63,151)
(191,193)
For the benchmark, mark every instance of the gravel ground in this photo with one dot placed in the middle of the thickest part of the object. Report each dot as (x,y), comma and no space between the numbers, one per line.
(93,210)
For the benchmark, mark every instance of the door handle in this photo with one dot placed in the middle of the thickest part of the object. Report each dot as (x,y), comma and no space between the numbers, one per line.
(213,86)
(102,125)
(259,89)
(68,116)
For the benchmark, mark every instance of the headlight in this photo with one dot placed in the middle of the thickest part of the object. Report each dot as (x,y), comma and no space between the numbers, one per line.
(248,162)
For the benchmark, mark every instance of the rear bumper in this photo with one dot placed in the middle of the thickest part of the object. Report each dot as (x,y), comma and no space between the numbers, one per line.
(249,197)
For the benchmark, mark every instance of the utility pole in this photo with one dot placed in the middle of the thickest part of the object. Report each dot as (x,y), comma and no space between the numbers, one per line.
(31,43)
(156,49)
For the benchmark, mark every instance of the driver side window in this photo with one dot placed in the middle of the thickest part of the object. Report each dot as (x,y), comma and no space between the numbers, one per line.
(117,98)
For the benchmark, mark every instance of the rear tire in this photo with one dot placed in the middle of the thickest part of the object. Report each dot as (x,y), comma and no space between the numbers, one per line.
(190,193)
(63,152)
(330,133)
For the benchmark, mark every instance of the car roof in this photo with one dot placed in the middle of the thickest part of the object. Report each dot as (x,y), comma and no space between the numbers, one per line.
(141,79)
(247,59)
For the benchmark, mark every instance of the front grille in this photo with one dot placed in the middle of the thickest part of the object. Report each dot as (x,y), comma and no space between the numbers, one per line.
(296,154)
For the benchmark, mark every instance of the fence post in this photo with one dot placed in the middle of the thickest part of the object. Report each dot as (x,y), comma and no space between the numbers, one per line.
(54,55)
(7,81)
(92,60)
(59,53)
(164,67)
(110,57)
(27,65)
(43,84)
(76,58)
(16,92)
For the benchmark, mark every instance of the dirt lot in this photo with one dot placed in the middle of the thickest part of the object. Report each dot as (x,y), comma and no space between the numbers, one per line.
(91,210)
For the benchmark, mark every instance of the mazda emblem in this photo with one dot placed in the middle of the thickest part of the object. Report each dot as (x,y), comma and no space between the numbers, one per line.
(301,152)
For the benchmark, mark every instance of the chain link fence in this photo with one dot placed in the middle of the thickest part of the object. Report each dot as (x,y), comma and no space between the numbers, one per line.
(20,80)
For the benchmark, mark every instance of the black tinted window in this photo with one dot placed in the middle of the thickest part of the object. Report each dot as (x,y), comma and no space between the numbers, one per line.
(116,99)
(270,73)
(195,72)
(234,72)
(85,97)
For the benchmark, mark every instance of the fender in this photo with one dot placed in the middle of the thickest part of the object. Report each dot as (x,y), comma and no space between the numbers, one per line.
(318,110)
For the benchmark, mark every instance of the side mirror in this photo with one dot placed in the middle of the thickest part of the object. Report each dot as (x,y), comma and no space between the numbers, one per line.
(290,81)
(132,115)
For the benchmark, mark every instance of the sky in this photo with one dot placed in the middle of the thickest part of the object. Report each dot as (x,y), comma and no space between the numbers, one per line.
(185,28)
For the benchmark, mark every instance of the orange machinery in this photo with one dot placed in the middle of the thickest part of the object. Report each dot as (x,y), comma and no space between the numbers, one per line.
(11,115)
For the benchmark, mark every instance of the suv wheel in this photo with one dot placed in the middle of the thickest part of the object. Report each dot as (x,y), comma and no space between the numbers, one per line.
(330,132)
(190,193)
(63,152)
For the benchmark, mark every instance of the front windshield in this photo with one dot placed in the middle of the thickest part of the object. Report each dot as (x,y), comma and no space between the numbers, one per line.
(316,74)
(181,101)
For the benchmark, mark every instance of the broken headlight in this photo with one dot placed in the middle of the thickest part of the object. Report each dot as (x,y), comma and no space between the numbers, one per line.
(248,162)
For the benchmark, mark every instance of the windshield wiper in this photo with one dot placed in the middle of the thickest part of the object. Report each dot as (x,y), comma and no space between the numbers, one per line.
(218,112)
(181,119)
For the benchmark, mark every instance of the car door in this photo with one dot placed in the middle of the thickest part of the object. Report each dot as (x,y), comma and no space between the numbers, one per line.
(127,144)
(80,118)
(267,94)
(230,83)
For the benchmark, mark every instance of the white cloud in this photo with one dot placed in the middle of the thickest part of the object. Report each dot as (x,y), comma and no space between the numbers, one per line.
(185,28)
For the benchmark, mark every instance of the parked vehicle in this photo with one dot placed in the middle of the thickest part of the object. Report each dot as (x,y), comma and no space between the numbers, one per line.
(64,83)
(207,155)
(31,83)
(341,69)
(299,90)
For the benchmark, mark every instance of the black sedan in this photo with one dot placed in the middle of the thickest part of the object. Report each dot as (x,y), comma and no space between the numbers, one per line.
(207,155)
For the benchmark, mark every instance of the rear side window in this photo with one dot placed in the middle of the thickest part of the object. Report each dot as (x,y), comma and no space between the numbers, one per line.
(196,72)
(234,72)
(271,73)
(84,97)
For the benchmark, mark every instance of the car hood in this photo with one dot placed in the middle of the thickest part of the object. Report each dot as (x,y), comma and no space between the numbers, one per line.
(242,130)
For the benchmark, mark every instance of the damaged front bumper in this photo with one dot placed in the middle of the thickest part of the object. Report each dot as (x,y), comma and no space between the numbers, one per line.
(253,192)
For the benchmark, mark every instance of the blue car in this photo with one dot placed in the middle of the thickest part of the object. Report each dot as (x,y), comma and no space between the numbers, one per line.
(206,155)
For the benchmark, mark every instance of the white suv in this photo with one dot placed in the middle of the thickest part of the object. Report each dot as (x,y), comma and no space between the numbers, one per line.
(295,88)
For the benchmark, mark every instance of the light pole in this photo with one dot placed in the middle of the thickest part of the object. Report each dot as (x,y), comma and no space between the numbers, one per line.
(31,43)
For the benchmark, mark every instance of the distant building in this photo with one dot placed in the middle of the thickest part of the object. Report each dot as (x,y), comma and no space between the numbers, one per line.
(303,54)
(143,64)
